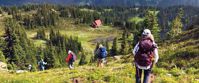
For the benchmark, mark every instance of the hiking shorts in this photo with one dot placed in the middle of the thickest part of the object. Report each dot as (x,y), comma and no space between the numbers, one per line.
(103,60)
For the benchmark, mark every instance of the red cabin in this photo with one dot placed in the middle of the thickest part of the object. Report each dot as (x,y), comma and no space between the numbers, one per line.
(96,23)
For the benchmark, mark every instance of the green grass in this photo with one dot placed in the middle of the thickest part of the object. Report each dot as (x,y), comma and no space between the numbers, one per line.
(85,33)
(87,10)
(136,20)
(115,72)
(108,10)
(181,51)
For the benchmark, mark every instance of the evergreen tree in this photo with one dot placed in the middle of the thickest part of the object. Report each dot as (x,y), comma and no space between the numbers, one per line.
(95,52)
(49,57)
(151,22)
(19,56)
(124,47)
(10,39)
(60,45)
(176,25)
(64,13)
(114,49)
(2,57)
(1,10)
(107,46)
(17,46)
(82,59)
(41,34)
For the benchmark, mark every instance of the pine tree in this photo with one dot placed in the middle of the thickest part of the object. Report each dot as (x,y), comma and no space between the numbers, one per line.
(1,11)
(49,57)
(17,46)
(176,25)
(10,40)
(60,45)
(95,52)
(82,59)
(107,47)
(2,57)
(124,47)
(41,34)
(19,56)
(151,22)
(64,13)
(114,49)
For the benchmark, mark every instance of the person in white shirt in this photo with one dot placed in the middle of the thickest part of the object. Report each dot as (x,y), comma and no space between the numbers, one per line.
(145,55)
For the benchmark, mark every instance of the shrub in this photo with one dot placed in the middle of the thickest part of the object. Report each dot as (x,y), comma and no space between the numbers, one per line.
(191,70)
(159,71)
(176,72)
(10,67)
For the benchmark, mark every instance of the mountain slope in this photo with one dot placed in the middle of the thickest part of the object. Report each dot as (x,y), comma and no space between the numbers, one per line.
(114,72)
(181,51)
(161,3)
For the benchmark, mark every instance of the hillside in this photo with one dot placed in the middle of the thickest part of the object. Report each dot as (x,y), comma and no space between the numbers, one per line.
(31,33)
(116,71)
(182,51)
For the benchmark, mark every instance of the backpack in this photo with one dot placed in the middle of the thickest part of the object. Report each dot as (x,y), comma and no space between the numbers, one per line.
(41,63)
(74,57)
(68,57)
(145,55)
(102,52)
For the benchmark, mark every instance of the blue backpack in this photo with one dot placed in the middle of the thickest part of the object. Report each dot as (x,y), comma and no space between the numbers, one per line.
(102,53)
(41,63)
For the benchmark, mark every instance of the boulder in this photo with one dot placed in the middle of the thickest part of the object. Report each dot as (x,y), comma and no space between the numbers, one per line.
(3,66)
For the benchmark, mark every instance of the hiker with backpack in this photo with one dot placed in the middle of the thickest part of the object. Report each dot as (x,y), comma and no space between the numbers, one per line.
(145,55)
(101,55)
(42,65)
(30,67)
(71,59)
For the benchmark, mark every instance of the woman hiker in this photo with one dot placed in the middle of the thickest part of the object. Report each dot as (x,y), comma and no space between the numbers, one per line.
(145,55)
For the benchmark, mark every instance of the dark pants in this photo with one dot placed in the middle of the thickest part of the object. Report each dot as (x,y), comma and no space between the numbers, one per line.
(139,75)
(42,67)
(70,63)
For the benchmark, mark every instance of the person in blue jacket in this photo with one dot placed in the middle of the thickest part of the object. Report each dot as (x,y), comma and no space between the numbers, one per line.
(42,65)
(102,53)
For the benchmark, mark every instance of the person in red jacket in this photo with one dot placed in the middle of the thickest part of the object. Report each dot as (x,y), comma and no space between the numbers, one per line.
(70,59)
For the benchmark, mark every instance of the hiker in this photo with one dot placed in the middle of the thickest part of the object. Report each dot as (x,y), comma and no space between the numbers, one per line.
(42,65)
(71,59)
(30,67)
(101,55)
(145,55)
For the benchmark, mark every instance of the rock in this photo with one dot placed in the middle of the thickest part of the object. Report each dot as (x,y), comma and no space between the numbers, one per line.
(3,66)
(169,74)
(21,71)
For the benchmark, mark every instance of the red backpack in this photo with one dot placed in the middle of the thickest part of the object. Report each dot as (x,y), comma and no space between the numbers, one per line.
(144,56)
(68,57)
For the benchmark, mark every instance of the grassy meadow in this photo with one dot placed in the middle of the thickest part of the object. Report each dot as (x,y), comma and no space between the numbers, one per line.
(119,70)
(115,72)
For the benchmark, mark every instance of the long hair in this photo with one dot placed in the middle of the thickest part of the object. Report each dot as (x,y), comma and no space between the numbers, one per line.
(148,36)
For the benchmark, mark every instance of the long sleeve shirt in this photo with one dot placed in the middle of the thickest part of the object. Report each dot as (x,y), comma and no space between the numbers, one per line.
(156,56)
